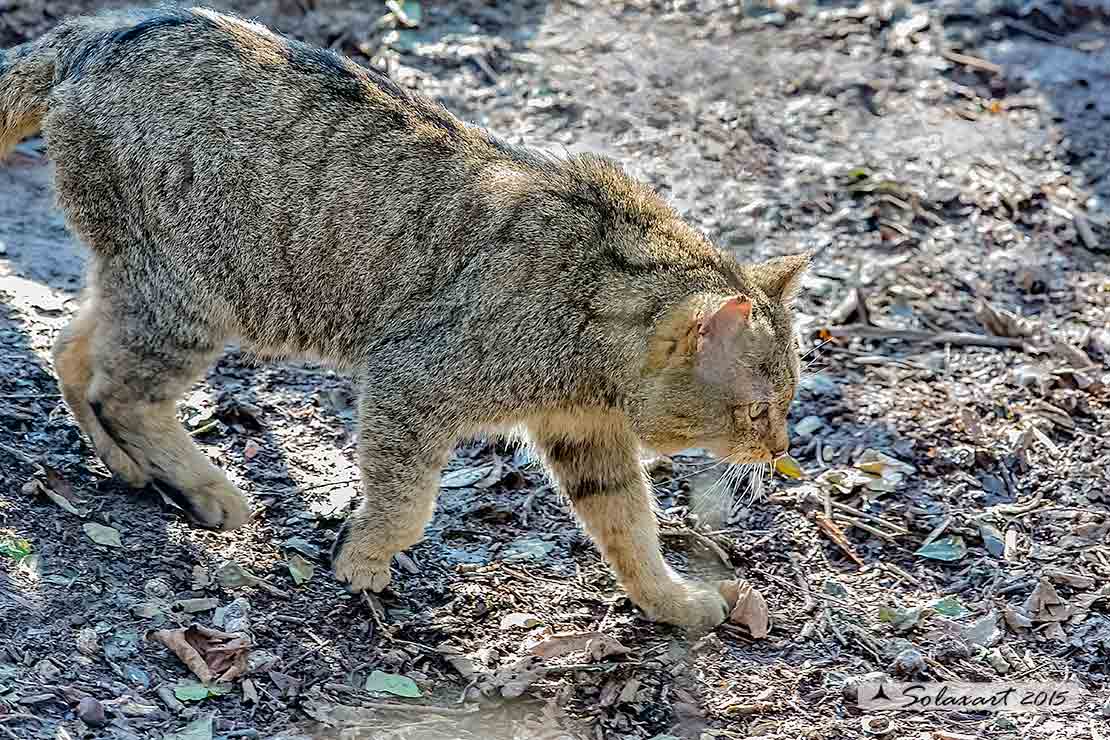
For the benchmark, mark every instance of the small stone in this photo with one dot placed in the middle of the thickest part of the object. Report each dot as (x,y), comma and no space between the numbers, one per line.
(998,662)
(807,426)
(1106,709)
(47,670)
(909,662)
(136,676)
(156,588)
(192,606)
(819,385)
(91,712)
(963,457)
(88,643)
(850,688)
(303,546)
(235,617)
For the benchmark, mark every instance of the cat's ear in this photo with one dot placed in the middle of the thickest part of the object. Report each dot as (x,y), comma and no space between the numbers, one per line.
(781,277)
(731,316)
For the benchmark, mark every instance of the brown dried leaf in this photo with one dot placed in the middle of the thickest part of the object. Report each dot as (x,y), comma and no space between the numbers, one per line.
(208,653)
(1045,605)
(563,643)
(603,647)
(1002,323)
(750,611)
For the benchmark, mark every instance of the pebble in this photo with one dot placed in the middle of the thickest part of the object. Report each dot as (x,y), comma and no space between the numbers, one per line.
(91,712)
(807,426)
(819,385)
(303,546)
(909,662)
(47,670)
(88,643)
(192,606)
(157,588)
(235,617)
(850,689)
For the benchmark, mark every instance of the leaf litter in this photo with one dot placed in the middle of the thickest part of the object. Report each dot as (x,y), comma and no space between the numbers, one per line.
(1004,458)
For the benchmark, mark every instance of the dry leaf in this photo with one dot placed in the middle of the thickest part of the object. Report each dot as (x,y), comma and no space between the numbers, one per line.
(208,653)
(603,647)
(102,535)
(750,611)
(250,693)
(567,642)
(1016,620)
(1002,323)
(1045,605)
(789,467)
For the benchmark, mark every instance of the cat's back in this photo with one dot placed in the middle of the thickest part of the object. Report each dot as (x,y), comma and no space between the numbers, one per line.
(210,127)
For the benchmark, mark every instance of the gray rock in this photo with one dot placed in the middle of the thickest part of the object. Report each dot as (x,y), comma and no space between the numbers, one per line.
(91,712)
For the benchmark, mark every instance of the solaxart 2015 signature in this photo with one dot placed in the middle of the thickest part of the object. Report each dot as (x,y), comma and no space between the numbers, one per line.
(983,697)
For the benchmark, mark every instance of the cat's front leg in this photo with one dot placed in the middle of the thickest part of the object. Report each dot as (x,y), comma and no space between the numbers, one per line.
(596,465)
(404,441)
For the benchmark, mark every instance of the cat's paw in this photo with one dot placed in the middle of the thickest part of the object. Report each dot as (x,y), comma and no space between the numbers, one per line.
(696,606)
(216,504)
(352,565)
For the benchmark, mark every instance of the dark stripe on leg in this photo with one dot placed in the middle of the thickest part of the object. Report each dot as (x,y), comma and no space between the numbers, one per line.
(108,427)
(341,539)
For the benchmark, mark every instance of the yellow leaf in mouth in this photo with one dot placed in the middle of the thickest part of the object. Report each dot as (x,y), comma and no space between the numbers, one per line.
(789,467)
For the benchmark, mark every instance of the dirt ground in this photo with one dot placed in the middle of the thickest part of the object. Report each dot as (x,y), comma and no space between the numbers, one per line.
(949,164)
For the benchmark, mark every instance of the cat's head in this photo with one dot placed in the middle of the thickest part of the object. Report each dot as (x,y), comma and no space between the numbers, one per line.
(723,369)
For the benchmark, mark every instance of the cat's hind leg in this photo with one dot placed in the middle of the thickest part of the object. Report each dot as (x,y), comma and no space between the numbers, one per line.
(73,362)
(123,363)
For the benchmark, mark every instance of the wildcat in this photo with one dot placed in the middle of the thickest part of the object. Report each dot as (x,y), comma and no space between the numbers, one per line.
(234,183)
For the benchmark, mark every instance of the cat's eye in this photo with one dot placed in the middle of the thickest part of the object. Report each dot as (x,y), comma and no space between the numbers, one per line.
(757,410)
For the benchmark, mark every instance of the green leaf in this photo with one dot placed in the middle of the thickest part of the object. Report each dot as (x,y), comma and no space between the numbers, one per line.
(391,683)
(901,620)
(196,691)
(102,535)
(299,568)
(949,606)
(15,548)
(946,548)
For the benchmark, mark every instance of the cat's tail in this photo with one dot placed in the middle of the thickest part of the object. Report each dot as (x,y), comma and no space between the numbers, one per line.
(30,71)
(26,78)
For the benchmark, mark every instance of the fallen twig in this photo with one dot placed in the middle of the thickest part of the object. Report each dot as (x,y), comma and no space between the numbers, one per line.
(829,527)
(955,338)
(853,522)
(894,528)
(17,454)
(19,715)
(972,62)
(1033,31)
